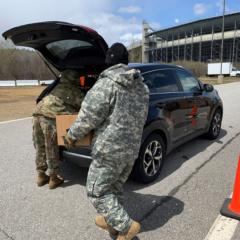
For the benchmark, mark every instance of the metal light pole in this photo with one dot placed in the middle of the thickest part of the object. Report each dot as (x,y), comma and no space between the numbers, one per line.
(223,28)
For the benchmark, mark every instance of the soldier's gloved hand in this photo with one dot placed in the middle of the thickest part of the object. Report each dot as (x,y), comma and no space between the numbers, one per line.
(68,142)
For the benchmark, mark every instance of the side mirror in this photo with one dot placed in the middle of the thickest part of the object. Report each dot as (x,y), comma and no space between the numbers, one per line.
(208,87)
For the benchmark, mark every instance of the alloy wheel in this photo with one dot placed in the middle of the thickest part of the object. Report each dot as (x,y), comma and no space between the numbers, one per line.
(216,124)
(153,157)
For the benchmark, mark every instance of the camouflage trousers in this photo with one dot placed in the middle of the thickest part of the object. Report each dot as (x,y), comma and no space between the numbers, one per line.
(45,143)
(105,181)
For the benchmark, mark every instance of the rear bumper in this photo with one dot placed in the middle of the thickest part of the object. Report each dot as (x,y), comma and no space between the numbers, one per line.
(81,159)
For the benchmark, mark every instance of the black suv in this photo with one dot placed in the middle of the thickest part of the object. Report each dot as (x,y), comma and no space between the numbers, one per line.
(180,109)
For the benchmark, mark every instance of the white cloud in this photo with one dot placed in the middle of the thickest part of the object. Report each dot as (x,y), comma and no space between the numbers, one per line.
(113,27)
(130,9)
(200,9)
(95,14)
(176,20)
(27,11)
(131,38)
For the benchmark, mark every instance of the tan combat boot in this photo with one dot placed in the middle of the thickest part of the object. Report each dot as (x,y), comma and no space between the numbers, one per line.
(101,222)
(55,181)
(42,178)
(131,233)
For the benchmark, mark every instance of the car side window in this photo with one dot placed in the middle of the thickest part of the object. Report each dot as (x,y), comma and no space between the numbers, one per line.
(188,81)
(161,81)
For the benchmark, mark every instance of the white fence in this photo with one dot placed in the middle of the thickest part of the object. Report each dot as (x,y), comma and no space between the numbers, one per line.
(14,83)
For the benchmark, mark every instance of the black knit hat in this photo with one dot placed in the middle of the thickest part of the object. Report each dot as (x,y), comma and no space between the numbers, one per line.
(116,54)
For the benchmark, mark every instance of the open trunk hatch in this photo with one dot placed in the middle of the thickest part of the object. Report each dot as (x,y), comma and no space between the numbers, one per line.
(64,45)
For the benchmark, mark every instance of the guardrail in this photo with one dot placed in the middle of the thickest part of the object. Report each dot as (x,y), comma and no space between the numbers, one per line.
(15,83)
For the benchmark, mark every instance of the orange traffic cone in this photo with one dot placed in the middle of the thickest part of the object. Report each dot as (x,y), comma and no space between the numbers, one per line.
(231,207)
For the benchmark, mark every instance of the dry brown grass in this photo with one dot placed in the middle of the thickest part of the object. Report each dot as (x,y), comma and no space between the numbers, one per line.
(17,102)
(197,68)
(214,80)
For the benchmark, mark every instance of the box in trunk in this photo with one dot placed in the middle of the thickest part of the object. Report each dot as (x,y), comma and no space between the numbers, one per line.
(64,122)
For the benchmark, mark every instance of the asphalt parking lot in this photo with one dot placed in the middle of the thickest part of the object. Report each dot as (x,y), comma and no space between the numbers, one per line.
(181,205)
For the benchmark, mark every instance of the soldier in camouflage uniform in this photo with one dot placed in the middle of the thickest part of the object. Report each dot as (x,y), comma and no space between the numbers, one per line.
(116,108)
(65,98)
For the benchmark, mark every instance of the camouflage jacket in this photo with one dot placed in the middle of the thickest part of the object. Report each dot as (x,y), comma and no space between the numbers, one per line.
(116,108)
(65,98)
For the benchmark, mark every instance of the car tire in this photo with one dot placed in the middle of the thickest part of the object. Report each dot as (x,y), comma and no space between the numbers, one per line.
(152,154)
(215,126)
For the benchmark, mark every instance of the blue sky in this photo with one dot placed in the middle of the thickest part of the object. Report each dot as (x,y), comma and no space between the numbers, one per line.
(172,12)
(115,20)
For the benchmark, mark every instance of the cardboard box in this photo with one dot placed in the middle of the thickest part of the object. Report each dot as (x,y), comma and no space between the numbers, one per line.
(64,122)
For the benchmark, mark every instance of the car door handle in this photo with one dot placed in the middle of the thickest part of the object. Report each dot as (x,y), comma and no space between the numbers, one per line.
(161,105)
(191,115)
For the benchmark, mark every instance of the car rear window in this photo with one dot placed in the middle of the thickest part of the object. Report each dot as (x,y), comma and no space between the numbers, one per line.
(62,48)
(161,81)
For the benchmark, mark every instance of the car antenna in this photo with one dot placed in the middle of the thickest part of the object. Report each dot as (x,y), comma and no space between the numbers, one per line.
(48,65)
